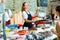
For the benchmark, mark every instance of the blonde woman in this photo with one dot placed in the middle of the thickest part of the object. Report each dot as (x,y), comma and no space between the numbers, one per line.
(27,16)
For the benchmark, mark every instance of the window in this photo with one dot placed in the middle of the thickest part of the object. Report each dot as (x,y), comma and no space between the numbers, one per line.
(43,3)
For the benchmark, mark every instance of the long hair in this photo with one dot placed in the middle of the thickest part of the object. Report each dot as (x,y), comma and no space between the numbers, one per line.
(22,9)
(58,8)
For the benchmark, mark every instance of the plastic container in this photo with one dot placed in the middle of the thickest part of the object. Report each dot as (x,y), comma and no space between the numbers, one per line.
(12,26)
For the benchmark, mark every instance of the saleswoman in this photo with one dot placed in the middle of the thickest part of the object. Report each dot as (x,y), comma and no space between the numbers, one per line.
(27,16)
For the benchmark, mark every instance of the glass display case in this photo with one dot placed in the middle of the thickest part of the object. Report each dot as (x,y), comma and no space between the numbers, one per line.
(1,27)
(42,26)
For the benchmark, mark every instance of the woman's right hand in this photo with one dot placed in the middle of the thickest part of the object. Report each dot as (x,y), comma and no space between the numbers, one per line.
(28,20)
(52,30)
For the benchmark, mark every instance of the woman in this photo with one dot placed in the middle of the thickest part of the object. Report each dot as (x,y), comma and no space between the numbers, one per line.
(27,16)
(58,23)
(8,16)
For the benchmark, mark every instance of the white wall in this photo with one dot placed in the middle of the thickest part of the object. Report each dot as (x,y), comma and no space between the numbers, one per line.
(18,3)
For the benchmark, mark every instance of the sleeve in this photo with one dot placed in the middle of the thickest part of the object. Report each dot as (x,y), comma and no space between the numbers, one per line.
(25,16)
(7,16)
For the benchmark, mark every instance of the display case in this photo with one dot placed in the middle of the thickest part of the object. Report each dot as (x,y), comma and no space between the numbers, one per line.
(1,27)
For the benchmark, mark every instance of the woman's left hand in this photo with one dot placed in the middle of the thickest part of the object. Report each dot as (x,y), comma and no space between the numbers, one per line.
(36,14)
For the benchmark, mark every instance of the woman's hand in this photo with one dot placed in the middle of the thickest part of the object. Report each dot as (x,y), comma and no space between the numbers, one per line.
(52,30)
(28,20)
(36,14)
(58,34)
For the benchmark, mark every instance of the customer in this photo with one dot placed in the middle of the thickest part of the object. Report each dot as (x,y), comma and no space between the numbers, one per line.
(8,16)
(27,16)
(58,23)
(57,15)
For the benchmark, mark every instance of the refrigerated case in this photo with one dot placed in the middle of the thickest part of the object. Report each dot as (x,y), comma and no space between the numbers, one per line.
(1,27)
(2,32)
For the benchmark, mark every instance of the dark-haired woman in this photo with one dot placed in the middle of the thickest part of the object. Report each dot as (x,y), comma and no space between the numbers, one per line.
(58,22)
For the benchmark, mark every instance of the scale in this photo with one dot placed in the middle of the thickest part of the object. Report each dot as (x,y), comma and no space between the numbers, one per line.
(42,12)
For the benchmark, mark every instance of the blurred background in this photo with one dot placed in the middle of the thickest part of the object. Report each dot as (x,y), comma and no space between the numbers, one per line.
(13,7)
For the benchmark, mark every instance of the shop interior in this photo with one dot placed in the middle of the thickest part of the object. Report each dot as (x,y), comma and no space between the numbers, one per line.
(11,20)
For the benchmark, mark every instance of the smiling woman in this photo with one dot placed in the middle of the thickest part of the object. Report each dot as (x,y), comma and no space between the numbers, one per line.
(27,16)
